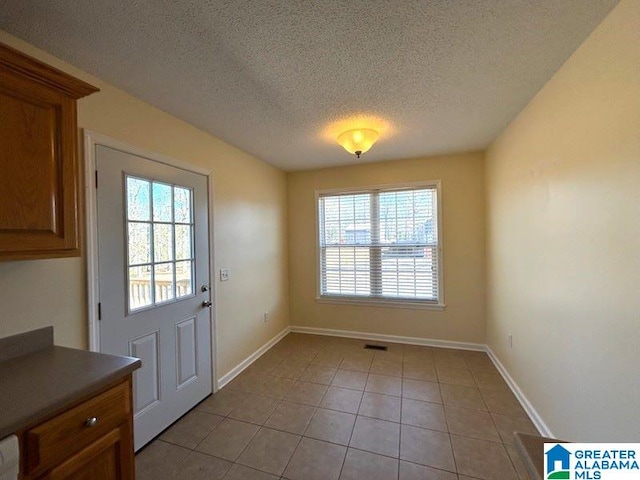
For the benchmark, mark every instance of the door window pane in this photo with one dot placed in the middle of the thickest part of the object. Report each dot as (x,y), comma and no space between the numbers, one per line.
(140,287)
(138,199)
(162,202)
(182,204)
(139,243)
(183,242)
(184,278)
(163,281)
(162,242)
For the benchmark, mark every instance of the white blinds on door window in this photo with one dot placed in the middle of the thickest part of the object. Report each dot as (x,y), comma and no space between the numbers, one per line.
(380,244)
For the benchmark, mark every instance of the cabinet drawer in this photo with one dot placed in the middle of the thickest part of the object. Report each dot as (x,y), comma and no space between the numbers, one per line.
(53,441)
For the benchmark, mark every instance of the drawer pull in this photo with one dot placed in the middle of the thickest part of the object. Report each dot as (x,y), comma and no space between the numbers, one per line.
(91,421)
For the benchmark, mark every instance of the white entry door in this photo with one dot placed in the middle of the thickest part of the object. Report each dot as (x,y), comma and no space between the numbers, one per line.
(154,294)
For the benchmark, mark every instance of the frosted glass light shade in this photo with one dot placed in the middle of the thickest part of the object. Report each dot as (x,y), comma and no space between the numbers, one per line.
(358,141)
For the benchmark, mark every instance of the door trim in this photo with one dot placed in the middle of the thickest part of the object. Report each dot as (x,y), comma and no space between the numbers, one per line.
(91,141)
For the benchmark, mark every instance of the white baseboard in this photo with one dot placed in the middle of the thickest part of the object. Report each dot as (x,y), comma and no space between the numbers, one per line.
(427,342)
(535,417)
(238,369)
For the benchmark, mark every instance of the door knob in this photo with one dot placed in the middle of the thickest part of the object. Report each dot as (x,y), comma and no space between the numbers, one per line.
(206,304)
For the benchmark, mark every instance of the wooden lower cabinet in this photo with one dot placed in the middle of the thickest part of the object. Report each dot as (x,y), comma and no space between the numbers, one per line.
(92,440)
(105,459)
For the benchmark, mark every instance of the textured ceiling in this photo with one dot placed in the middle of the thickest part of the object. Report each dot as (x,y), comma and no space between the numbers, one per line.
(279,78)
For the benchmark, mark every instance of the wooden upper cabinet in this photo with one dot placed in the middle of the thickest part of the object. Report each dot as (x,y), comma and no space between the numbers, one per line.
(40,212)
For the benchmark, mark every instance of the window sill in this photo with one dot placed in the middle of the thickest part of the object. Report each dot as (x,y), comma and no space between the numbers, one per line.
(385,303)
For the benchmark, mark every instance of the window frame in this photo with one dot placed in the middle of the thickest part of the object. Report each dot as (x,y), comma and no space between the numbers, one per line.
(438,304)
(152,263)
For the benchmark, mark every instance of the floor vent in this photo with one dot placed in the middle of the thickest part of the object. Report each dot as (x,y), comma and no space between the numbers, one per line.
(375,347)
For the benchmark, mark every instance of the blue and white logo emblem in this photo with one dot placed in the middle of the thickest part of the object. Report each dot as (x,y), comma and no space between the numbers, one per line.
(591,461)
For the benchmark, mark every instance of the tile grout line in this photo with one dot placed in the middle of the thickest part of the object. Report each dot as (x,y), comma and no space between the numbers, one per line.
(344,460)
(297,379)
(301,436)
(453,452)
(235,462)
(303,432)
(292,455)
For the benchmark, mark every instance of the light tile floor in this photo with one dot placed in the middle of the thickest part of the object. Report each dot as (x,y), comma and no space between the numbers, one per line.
(324,408)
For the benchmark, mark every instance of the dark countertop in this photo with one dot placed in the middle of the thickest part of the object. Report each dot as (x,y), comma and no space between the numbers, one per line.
(531,451)
(39,384)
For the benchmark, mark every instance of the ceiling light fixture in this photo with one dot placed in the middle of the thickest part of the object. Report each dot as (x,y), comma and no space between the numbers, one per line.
(358,141)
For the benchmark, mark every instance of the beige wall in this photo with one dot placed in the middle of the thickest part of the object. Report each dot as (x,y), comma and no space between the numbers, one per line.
(463,228)
(250,230)
(564,239)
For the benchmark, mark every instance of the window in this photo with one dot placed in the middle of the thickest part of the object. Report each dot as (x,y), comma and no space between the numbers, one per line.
(159,242)
(381,244)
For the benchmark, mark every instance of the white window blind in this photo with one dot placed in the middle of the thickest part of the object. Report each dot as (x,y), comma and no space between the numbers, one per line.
(380,244)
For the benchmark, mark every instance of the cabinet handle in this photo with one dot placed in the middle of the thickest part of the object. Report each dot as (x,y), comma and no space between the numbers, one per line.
(91,421)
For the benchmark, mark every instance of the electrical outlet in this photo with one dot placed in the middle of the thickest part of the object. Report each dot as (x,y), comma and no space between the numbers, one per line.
(510,338)
(224,274)
(265,316)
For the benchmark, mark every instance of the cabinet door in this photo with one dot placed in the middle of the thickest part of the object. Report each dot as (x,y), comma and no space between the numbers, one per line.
(109,458)
(39,174)
(38,170)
